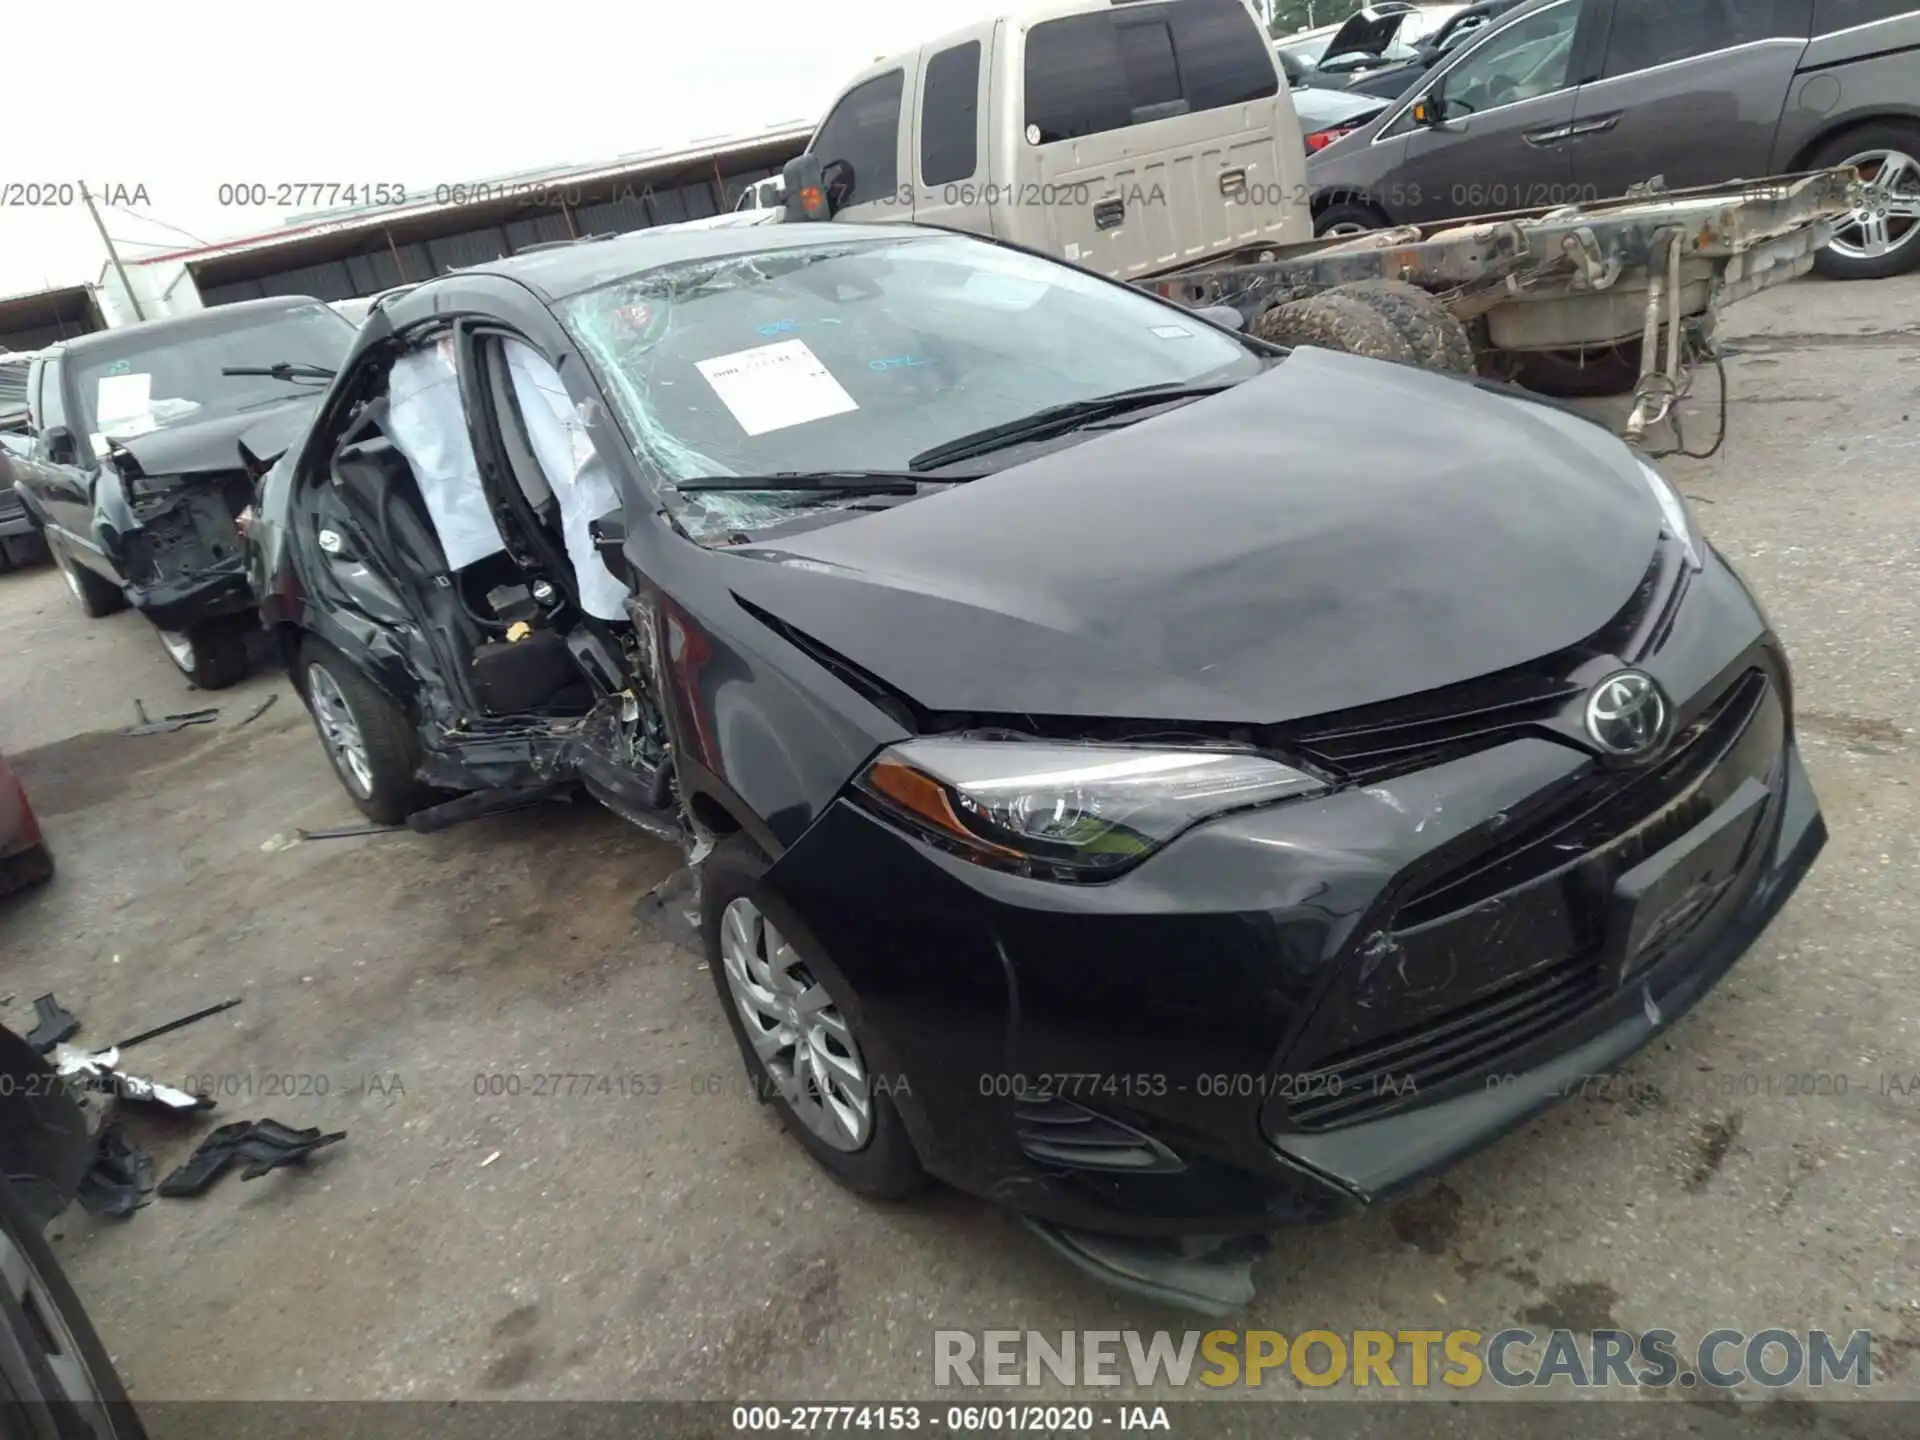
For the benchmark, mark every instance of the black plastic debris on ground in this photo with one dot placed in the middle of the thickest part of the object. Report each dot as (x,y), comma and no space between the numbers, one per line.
(120,1180)
(167,724)
(56,1026)
(264,1144)
(257,711)
(672,910)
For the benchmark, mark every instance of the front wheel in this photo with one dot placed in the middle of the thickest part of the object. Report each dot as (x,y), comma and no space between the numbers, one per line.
(55,1372)
(95,595)
(367,738)
(212,654)
(798,1024)
(1882,237)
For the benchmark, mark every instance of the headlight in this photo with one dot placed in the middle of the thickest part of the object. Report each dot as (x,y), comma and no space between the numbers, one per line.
(1069,811)
(1679,524)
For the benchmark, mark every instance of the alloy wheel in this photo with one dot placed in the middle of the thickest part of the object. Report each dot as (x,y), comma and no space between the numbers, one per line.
(180,647)
(796,1029)
(52,1338)
(340,731)
(1889,218)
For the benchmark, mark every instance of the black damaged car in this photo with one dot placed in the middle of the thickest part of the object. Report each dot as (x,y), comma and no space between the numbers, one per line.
(1167,784)
(138,476)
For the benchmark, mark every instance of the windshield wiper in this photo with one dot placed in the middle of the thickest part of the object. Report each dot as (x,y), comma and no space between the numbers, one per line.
(1057,420)
(285,370)
(838,482)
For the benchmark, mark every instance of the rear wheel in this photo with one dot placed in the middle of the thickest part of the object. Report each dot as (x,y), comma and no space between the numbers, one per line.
(798,1025)
(212,654)
(95,595)
(368,740)
(1882,237)
(55,1376)
(1438,340)
(1347,217)
(1335,321)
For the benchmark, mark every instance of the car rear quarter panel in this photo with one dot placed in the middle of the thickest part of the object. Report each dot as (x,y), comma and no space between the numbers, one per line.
(1846,80)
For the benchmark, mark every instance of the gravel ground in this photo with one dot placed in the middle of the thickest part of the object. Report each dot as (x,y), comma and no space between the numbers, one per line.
(671,1243)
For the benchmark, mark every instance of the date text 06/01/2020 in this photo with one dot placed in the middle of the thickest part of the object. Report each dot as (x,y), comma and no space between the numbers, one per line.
(954,1419)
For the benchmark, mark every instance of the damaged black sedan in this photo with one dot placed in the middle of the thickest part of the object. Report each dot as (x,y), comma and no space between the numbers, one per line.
(1167,784)
(139,474)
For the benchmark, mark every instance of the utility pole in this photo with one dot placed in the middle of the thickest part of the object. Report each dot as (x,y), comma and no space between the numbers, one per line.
(112,254)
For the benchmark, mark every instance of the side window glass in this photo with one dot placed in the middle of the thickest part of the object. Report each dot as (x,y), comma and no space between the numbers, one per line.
(950,115)
(864,131)
(1648,32)
(1522,62)
(1075,82)
(1832,15)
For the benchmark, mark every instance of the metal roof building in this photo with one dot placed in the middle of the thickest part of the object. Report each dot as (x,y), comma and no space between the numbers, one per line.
(342,254)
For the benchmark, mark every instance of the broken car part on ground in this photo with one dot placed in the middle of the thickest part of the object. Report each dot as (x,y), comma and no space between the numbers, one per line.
(1048,682)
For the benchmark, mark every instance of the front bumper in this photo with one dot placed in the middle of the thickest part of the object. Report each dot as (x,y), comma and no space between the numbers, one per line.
(180,603)
(1197,1048)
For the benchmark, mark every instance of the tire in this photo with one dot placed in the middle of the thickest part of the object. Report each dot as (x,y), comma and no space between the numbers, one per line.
(26,869)
(213,654)
(1885,138)
(1348,217)
(1438,340)
(1581,374)
(734,901)
(378,759)
(56,1371)
(1334,321)
(97,596)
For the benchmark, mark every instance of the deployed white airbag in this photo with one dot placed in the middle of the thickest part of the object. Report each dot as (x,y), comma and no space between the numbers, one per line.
(573,468)
(428,424)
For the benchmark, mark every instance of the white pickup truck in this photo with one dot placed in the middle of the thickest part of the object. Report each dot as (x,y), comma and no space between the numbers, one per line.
(1153,141)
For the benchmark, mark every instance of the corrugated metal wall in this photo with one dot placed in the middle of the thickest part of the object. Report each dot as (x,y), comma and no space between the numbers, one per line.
(633,207)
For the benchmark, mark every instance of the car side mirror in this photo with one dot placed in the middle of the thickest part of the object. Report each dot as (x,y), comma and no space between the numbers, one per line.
(62,447)
(838,176)
(803,187)
(1428,111)
(1225,316)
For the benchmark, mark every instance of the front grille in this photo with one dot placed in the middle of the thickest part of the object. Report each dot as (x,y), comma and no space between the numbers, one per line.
(1647,809)
(1564,861)
(1379,742)
(1469,1041)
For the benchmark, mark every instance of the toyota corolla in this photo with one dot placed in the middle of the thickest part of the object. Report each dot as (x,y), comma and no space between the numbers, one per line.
(1167,784)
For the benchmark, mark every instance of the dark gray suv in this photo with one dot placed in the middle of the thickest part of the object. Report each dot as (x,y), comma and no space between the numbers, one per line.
(1571,101)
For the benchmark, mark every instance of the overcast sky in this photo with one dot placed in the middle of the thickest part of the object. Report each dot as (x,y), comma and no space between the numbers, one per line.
(180,96)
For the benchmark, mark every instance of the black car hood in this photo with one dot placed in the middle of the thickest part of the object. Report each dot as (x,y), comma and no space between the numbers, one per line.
(1335,532)
(213,443)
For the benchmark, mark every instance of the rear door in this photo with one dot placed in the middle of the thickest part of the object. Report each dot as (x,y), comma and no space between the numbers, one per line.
(65,492)
(953,182)
(1693,92)
(1506,103)
(1149,136)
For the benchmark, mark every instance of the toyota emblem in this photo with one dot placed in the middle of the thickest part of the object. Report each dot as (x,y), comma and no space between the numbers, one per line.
(1627,714)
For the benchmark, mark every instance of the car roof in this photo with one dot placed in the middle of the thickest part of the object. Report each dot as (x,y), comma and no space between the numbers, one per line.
(588,264)
(213,318)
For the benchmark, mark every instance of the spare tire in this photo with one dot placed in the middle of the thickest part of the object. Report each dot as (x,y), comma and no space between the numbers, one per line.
(1438,340)
(1334,321)
(1577,374)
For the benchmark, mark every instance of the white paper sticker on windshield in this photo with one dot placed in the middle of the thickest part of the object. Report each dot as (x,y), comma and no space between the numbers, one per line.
(771,387)
(122,397)
(1172,332)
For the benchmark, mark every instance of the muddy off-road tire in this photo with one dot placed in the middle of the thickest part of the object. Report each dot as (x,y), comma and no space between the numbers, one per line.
(1439,341)
(1581,374)
(1335,322)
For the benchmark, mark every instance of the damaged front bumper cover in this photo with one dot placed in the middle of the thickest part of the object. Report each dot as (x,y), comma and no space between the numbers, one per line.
(180,603)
